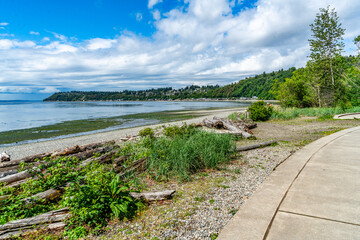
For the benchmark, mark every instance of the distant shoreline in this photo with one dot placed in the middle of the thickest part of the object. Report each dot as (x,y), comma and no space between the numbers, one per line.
(177,100)
(49,145)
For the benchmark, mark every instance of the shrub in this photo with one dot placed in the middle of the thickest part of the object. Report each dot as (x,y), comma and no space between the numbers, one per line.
(259,111)
(147,132)
(95,199)
(184,130)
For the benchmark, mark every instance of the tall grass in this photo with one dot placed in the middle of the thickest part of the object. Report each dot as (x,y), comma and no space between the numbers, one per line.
(291,113)
(181,156)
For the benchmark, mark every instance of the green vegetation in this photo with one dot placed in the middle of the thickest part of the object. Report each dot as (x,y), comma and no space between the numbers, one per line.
(329,79)
(259,111)
(183,155)
(96,194)
(259,85)
(322,113)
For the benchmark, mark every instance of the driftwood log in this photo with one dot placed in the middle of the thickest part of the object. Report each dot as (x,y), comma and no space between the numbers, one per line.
(136,166)
(74,151)
(4,157)
(239,128)
(43,221)
(47,196)
(254,146)
(16,177)
(153,196)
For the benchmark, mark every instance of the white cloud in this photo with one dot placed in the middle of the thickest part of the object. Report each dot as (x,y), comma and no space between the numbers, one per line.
(203,43)
(156,14)
(45,39)
(59,36)
(99,43)
(34,33)
(152,3)
(4,23)
(49,90)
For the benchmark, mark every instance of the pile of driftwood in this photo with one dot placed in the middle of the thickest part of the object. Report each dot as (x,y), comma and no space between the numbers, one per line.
(224,125)
(11,176)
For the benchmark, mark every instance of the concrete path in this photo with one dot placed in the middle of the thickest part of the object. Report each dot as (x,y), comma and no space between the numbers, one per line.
(315,194)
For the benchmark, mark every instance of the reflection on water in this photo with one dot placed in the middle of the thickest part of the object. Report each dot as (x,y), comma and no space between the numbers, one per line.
(27,114)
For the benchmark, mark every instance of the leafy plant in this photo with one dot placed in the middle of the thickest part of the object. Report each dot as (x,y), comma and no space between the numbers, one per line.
(259,111)
(184,130)
(147,132)
(97,198)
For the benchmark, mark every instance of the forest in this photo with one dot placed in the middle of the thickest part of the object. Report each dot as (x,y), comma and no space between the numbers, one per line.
(259,86)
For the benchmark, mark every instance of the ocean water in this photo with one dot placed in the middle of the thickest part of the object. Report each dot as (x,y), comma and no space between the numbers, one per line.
(27,114)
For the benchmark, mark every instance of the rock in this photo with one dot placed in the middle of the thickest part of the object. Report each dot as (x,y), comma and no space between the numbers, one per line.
(4,157)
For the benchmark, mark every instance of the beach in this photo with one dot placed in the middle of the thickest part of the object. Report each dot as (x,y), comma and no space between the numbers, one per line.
(20,151)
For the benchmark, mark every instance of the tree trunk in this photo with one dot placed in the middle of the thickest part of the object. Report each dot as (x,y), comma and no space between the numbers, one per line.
(153,196)
(258,145)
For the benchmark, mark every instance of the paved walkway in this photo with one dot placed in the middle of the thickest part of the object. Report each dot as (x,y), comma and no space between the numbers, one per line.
(315,194)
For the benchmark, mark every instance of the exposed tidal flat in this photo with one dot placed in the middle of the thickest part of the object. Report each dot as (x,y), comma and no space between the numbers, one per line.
(25,122)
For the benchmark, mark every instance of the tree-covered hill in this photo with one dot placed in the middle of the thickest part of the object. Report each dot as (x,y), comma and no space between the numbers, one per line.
(259,86)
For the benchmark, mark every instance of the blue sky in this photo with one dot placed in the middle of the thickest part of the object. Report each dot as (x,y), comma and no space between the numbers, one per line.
(48,46)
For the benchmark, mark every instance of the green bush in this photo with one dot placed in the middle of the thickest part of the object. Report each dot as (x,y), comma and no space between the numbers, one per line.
(147,132)
(97,198)
(259,111)
(184,130)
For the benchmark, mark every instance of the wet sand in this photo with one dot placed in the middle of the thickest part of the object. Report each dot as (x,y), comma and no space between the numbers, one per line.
(20,151)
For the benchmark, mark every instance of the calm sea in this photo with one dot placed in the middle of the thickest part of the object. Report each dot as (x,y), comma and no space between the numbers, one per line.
(27,114)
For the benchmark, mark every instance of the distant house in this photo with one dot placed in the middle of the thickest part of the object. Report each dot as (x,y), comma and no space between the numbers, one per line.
(254,97)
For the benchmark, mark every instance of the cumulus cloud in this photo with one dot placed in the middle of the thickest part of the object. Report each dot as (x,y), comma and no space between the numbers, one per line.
(4,23)
(205,42)
(152,3)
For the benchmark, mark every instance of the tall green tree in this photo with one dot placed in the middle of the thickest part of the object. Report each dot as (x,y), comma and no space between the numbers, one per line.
(357,43)
(326,43)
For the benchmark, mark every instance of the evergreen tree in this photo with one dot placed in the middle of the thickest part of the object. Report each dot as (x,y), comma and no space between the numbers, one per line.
(327,64)
(327,38)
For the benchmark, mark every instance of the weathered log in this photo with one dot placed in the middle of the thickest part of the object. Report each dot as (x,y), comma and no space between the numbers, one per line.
(254,146)
(18,183)
(102,159)
(26,160)
(4,157)
(23,225)
(136,166)
(53,216)
(16,177)
(236,128)
(84,148)
(120,160)
(7,173)
(48,196)
(153,196)
(4,197)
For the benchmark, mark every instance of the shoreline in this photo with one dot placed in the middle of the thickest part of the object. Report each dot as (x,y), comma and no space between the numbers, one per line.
(24,150)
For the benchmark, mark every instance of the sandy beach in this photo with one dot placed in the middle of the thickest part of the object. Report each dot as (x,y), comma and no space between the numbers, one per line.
(20,151)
